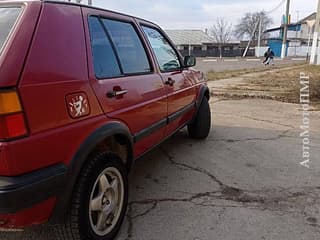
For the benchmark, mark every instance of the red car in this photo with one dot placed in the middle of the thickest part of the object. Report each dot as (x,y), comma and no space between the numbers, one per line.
(83,93)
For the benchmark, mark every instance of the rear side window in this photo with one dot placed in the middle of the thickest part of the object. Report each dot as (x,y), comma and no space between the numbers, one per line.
(116,48)
(131,52)
(8,17)
(104,59)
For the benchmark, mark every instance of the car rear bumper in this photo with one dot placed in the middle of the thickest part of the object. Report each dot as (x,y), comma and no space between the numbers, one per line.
(21,192)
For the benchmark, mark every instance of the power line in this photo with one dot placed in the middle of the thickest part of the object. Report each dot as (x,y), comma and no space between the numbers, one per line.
(277,7)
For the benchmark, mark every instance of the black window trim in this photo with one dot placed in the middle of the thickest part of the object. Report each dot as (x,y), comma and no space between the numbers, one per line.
(169,42)
(100,17)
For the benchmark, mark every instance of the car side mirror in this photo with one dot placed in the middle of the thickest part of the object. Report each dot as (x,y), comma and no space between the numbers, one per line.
(189,61)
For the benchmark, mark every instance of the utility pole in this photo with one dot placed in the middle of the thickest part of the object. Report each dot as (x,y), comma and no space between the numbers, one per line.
(316,40)
(259,35)
(250,40)
(285,31)
(295,45)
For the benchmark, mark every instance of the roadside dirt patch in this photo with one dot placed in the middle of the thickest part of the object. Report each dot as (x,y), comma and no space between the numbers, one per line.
(285,84)
(277,84)
(218,75)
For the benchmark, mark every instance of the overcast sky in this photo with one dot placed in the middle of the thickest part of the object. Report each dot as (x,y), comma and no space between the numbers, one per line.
(201,14)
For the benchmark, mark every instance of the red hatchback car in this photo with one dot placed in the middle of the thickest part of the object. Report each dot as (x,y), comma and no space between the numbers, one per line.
(83,93)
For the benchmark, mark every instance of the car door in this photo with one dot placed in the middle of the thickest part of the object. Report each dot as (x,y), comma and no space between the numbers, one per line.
(123,78)
(179,81)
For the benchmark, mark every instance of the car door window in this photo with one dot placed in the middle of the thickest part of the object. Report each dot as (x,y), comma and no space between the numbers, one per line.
(166,55)
(104,58)
(131,52)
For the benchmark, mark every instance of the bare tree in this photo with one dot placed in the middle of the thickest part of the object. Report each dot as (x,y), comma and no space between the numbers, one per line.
(247,26)
(221,32)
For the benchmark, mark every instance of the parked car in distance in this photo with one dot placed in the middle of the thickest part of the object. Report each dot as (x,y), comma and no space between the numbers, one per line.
(83,93)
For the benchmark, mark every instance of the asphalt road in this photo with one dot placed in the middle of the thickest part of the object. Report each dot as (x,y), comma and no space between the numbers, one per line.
(243,183)
(213,64)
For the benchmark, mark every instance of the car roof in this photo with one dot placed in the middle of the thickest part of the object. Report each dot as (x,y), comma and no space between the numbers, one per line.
(81,5)
(97,8)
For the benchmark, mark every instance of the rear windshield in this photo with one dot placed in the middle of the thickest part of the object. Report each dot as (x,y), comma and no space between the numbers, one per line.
(8,17)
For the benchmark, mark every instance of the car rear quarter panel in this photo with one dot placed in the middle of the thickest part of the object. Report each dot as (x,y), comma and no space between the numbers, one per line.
(55,67)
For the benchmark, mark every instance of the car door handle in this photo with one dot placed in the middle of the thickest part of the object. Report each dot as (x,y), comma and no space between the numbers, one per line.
(170,82)
(112,94)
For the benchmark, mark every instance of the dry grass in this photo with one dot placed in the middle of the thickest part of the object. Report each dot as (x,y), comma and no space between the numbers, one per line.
(216,75)
(285,84)
(282,84)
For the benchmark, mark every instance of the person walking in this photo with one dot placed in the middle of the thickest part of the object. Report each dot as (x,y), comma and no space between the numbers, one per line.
(269,57)
(266,54)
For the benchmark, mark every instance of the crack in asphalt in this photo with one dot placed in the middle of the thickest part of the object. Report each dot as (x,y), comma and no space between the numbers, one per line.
(197,169)
(258,119)
(283,201)
(281,135)
(131,217)
(268,121)
(154,203)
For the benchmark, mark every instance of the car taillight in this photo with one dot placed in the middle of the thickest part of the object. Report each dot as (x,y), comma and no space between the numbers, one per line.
(12,122)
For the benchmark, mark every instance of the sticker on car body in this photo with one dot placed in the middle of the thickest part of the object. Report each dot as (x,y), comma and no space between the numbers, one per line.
(78,105)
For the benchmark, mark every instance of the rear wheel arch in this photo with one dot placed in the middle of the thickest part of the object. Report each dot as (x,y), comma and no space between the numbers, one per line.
(103,137)
(114,137)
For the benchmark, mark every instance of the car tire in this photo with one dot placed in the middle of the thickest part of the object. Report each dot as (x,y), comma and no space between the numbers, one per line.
(200,126)
(99,200)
